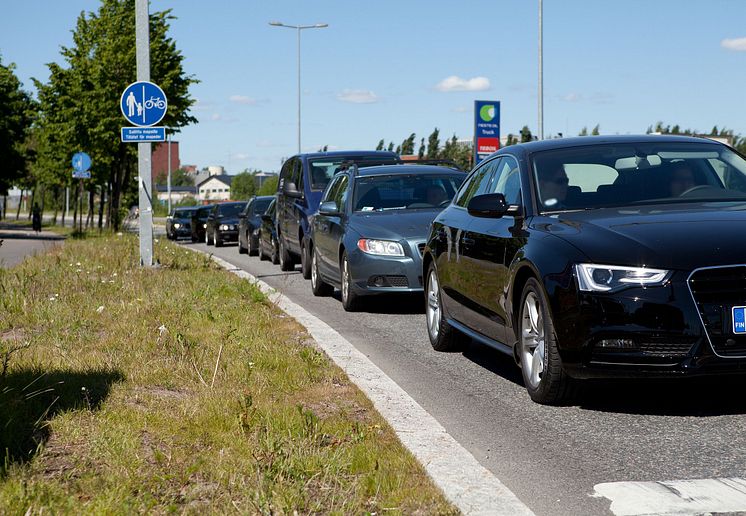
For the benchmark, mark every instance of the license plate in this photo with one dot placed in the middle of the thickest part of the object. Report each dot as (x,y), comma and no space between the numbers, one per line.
(739,319)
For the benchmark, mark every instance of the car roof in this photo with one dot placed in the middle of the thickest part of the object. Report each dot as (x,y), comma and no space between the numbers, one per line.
(349,154)
(263,197)
(389,170)
(580,141)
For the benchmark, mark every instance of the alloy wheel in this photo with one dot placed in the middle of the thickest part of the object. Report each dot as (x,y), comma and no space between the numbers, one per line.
(345,280)
(533,340)
(314,271)
(433,305)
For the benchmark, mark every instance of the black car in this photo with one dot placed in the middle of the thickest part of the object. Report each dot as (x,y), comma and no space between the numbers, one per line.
(199,222)
(222,223)
(368,235)
(596,257)
(302,180)
(179,223)
(268,246)
(249,221)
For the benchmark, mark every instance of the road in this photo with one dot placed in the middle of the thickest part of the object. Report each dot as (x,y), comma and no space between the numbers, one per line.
(18,243)
(550,457)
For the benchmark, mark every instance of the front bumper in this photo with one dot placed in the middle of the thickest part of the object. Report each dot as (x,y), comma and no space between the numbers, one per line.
(637,332)
(228,236)
(373,274)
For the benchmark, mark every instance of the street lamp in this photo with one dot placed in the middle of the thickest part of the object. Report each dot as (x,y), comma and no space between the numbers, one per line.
(541,70)
(299,28)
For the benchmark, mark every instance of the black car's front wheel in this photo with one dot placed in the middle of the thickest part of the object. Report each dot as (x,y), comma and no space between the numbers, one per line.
(208,240)
(242,249)
(218,241)
(275,256)
(251,244)
(286,261)
(318,286)
(305,259)
(545,379)
(443,336)
(350,300)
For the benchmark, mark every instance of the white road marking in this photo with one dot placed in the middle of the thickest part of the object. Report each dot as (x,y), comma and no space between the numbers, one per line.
(468,485)
(698,496)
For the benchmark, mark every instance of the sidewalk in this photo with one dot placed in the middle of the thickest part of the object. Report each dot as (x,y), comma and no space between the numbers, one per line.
(16,243)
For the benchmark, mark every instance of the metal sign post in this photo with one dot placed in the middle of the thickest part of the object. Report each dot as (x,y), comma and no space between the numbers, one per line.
(81,170)
(142,45)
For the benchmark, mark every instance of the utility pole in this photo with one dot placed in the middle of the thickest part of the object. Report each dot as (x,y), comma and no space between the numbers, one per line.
(145,183)
(541,71)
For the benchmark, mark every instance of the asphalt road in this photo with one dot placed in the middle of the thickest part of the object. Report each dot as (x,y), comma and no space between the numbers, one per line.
(17,244)
(550,457)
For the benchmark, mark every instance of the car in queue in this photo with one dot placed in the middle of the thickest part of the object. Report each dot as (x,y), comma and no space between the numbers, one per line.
(249,221)
(269,249)
(593,258)
(368,235)
(302,180)
(222,223)
(199,222)
(179,223)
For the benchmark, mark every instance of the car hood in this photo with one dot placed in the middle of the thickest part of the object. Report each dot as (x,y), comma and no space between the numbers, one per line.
(228,220)
(394,224)
(682,236)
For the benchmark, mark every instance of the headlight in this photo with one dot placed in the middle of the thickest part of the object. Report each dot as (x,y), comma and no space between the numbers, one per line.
(380,247)
(177,225)
(606,278)
(204,226)
(226,227)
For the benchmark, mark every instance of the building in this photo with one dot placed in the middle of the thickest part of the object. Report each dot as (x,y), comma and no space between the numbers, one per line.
(215,188)
(160,160)
(212,170)
(178,193)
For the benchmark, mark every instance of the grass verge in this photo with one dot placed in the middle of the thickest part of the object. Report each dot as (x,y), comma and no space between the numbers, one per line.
(179,389)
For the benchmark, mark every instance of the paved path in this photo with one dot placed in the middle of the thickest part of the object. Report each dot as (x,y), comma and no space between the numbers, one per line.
(18,243)
(552,458)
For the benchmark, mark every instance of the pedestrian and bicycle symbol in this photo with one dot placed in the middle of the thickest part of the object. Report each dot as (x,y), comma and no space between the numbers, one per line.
(81,163)
(143,104)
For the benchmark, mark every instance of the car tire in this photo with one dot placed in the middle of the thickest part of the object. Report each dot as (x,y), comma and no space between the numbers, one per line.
(275,257)
(242,249)
(443,336)
(319,287)
(350,300)
(543,375)
(305,258)
(216,238)
(286,261)
(208,240)
(253,246)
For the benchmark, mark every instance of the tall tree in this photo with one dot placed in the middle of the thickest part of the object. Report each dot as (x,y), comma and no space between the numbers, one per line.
(596,130)
(407,146)
(433,144)
(421,152)
(243,186)
(16,116)
(526,135)
(583,131)
(380,145)
(269,187)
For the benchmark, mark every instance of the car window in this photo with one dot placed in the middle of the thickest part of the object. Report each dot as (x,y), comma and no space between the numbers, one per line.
(322,170)
(478,183)
(507,180)
(340,192)
(298,174)
(248,208)
(286,172)
(400,192)
(332,190)
(230,210)
(260,205)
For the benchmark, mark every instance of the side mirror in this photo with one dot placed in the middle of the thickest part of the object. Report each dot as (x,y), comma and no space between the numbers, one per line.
(291,190)
(329,208)
(492,206)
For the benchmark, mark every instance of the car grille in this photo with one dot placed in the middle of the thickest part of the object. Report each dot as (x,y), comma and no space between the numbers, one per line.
(715,291)
(388,281)
(666,349)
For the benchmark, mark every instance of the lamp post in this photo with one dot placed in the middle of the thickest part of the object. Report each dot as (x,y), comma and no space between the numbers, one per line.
(541,70)
(299,28)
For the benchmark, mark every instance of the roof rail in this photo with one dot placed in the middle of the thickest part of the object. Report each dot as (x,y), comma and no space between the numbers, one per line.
(437,162)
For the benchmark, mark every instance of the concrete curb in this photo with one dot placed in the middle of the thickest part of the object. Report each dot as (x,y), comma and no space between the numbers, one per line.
(468,485)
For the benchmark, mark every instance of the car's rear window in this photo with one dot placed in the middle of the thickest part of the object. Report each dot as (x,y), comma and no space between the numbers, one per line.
(231,210)
(260,206)
(323,169)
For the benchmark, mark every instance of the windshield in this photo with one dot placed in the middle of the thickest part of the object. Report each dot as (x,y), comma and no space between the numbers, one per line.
(231,210)
(626,174)
(183,214)
(203,213)
(323,169)
(405,192)
(260,206)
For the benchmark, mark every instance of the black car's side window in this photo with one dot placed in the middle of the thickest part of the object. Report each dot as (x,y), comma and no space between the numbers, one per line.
(477,184)
(331,190)
(507,180)
(340,195)
(286,172)
(298,174)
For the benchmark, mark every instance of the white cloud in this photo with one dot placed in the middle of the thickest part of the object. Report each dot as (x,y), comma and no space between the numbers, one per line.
(737,44)
(242,99)
(572,97)
(240,155)
(456,83)
(461,109)
(357,96)
(216,117)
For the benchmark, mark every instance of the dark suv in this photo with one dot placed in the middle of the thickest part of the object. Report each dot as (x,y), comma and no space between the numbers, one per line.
(303,179)
(249,222)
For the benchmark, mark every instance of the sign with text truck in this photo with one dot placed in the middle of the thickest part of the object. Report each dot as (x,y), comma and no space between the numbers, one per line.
(486,128)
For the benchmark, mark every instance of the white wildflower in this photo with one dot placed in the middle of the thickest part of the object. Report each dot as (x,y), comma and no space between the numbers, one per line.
(161,330)
(100,309)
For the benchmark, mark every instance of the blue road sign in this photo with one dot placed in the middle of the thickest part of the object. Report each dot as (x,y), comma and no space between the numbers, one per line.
(81,162)
(81,174)
(486,128)
(143,104)
(143,134)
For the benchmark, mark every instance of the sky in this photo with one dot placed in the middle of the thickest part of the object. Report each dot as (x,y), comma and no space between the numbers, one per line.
(385,69)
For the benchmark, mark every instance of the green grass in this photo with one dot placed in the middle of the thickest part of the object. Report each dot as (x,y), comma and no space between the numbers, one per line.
(179,389)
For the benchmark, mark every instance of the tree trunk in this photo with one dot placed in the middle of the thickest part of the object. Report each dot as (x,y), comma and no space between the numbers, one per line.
(101,202)
(20,201)
(89,218)
(43,194)
(75,210)
(30,205)
(55,196)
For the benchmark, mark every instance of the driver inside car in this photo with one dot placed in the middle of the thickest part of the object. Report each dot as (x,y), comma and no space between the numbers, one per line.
(682,179)
(436,195)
